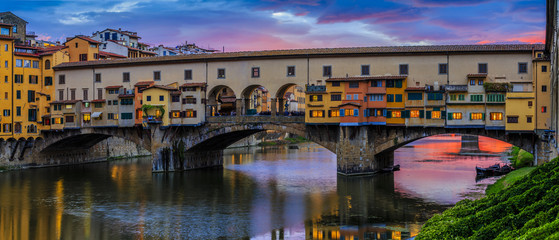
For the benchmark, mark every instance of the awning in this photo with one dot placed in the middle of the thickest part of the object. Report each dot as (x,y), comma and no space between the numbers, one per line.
(96,114)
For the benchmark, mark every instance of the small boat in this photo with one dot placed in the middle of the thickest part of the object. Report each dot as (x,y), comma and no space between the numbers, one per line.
(396,167)
(391,169)
(493,170)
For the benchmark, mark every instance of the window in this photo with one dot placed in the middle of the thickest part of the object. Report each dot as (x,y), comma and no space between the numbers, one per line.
(476,116)
(161,98)
(544,88)
(443,68)
(6,64)
(33,79)
(125,77)
(355,96)
(255,72)
(60,94)
(389,83)
(48,81)
(472,82)
(317,113)
(456,116)
(83,57)
(191,100)
(326,71)
(398,83)
(476,98)
(376,83)
(18,78)
(528,119)
(126,116)
(512,119)
(461,97)
(47,64)
(69,119)
(175,98)
(334,113)
(5,31)
(544,68)
(396,114)
(14,29)
(415,96)
(414,114)
(480,82)
(126,101)
(353,84)
(190,113)
(529,103)
(348,97)
(398,97)
(85,94)
(35,64)
(156,75)
(148,98)
(348,112)
(482,67)
(6,47)
(335,84)
(7,127)
(61,79)
(495,97)
(435,96)
(98,77)
(496,116)
(523,67)
(452,97)
(18,94)
(390,97)
(291,71)
(335,97)
(316,98)
(68,106)
(403,69)
(95,55)
(376,97)
(30,96)
(188,74)
(436,115)
(18,111)
(221,73)
(98,105)
(544,109)
(365,70)
(6,113)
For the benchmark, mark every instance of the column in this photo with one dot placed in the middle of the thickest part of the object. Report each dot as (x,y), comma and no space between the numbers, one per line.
(281,108)
(273,106)
(239,105)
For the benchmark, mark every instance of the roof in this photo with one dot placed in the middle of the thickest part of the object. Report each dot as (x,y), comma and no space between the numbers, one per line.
(315,52)
(109,54)
(125,95)
(144,83)
(379,77)
(50,50)
(65,102)
(127,33)
(194,85)
(6,24)
(98,101)
(161,87)
(415,89)
(10,13)
(6,37)
(26,54)
(84,38)
(350,103)
(113,87)
(477,75)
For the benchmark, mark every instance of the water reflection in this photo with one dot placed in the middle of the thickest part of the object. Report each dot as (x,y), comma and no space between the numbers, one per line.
(272,193)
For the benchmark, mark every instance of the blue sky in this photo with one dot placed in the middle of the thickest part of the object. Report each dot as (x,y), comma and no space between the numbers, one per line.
(242,25)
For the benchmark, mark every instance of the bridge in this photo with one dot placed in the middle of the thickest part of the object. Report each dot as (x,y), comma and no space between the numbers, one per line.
(359,149)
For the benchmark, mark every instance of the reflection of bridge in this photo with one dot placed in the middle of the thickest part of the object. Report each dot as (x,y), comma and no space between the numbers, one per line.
(359,149)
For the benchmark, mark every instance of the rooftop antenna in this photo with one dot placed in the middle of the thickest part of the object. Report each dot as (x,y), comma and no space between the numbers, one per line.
(223,48)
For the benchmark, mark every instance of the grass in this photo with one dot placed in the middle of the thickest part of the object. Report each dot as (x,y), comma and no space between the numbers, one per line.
(508,180)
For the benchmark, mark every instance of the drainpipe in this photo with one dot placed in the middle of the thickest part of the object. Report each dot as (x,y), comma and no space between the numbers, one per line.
(12,93)
(206,95)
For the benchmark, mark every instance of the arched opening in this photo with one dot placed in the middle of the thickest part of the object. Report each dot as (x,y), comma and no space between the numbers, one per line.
(222,101)
(256,100)
(47,64)
(290,100)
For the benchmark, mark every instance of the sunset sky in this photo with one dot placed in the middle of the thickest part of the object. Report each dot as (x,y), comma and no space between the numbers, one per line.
(243,25)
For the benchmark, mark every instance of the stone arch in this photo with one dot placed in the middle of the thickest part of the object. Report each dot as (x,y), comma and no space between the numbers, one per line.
(293,101)
(256,99)
(222,100)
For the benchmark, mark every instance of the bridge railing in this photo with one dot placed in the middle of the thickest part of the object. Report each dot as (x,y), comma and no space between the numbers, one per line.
(255,119)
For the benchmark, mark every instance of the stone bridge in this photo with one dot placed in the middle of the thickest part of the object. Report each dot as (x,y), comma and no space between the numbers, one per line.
(359,149)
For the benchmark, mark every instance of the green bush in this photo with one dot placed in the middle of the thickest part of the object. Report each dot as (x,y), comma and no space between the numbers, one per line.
(524,159)
(528,209)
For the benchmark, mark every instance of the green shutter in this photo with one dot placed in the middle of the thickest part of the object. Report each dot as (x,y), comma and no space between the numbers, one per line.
(471,116)
(483,116)
(449,116)
(428,114)
(388,114)
(407,113)
(443,114)
(329,113)
(421,113)
(399,83)
(437,109)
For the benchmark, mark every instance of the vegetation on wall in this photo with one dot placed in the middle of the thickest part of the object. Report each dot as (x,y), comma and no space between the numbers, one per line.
(528,209)
(496,87)
(147,107)
(520,158)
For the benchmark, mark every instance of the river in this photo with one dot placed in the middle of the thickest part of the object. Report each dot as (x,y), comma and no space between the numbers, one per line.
(260,193)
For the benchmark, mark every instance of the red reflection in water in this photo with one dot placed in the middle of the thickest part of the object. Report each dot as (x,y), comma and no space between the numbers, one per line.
(441,168)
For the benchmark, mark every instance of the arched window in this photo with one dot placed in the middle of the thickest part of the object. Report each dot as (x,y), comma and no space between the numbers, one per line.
(47,64)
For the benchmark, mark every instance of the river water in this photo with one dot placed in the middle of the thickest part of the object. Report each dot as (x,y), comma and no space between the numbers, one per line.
(261,193)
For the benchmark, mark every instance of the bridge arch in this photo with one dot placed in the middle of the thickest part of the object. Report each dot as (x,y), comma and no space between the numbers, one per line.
(292,96)
(222,100)
(256,97)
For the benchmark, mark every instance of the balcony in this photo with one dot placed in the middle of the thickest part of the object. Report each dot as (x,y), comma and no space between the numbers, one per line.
(457,88)
(311,88)
(151,119)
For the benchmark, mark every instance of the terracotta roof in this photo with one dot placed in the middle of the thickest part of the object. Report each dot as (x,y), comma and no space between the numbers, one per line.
(415,89)
(194,85)
(98,101)
(25,47)
(477,75)
(350,103)
(316,52)
(84,38)
(65,102)
(148,52)
(379,77)
(4,37)
(125,95)
(109,54)
(50,50)
(161,87)
(5,24)
(144,83)
(123,32)
(26,54)
(113,87)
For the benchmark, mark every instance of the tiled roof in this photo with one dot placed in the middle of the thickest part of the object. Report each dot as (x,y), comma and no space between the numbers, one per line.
(125,95)
(194,85)
(415,89)
(26,54)
(50,50)
(113,87)
(109,54)
(143,83)
(98,101)
(123,32)
(65,102)
(84,38)
(5,37)
(379,77)
(350,103)
(5,24)
(316,52)
(161,87)
(477,75)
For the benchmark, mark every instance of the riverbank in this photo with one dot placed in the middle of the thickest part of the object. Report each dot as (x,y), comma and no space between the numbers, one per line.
(527,209)
(508,180)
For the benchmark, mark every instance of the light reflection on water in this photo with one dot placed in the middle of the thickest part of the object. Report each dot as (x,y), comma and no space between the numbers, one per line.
(270,193)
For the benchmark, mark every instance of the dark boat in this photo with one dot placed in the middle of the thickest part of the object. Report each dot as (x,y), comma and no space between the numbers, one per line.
(493,170)
(391,169)
(396,167)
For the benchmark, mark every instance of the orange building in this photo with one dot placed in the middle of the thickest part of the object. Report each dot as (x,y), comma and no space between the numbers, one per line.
(82,48)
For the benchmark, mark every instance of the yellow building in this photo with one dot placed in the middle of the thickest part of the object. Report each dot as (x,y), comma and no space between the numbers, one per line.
(82,48)
(6,49)
(520,108)
(322,106)
(395,102)
(156,104)
(541,79)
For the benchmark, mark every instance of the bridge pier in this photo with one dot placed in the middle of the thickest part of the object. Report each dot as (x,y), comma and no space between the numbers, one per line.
(355,152)
(273,102)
